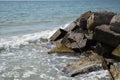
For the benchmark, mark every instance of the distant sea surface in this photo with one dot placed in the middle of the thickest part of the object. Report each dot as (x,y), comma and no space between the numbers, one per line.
(25,27)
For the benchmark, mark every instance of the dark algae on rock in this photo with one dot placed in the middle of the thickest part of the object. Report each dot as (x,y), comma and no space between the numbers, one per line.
(96,36)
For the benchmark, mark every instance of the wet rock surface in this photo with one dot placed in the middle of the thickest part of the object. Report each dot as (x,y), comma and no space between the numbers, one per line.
(95,38)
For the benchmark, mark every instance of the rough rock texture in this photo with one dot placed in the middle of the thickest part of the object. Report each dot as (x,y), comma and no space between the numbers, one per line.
(74,40)
(60,48)
(116,51)
(99,18)
(96,39)
(82,20)
(115,71)
(71,27)
(103,49)
(106,36)
(60,33)
(115,23)
(87,64)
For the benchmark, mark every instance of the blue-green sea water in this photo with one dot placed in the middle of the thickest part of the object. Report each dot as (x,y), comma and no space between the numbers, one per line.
(25,27)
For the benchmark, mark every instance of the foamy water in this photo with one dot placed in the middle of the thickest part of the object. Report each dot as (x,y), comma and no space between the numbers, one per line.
(16,41)
(25,58)
(24,31)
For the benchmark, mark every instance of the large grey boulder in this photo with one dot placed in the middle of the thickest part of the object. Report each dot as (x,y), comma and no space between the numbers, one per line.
(115,23)
(99,18)
(105,35)
(60,33)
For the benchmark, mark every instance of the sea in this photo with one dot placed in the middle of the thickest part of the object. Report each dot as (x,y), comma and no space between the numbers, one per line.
(25,28)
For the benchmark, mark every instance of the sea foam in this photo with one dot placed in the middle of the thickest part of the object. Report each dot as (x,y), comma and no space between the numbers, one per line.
(16,41)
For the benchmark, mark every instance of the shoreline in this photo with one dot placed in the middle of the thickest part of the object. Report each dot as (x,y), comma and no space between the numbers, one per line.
(89,35)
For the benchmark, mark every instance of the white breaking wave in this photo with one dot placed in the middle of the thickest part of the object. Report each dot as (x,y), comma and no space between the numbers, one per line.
(66,25)
(16,41)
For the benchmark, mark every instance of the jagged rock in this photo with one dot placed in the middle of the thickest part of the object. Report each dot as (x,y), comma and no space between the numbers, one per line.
(115,23)
(60,48)
(115,71)
(86,64)
(116,51)
(99,18)
(82,20)
(74,40)
(71,27)
(106,36)
(86,15)
(60,33)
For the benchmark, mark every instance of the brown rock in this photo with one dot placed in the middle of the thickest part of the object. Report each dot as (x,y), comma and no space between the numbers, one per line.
(85,15)
(82,20)
(99,18)
(60,48)
(84,65)
(74,40)
(71,27)
(103,49)
(116,51)
(115,23)
(106,36)
(60,33)
(115,71)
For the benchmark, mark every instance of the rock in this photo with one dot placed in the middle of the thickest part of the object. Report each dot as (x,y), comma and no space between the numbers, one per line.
(115,71)
(71,27)
(85,65)
(115,23)
(57,41)
(99,18)
(85,15)
(74,40)
(105,35)
(83,23)
(116,51)
(89,35)
(103,49)
(60,33)
(82,20)
(60,48)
